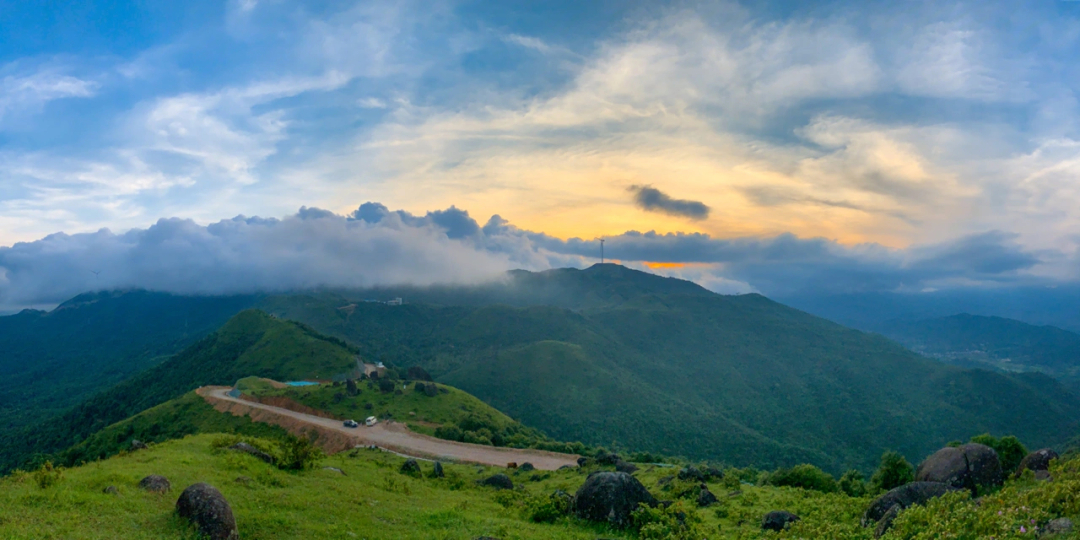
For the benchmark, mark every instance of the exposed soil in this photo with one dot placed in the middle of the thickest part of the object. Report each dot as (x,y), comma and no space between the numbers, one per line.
(334,437)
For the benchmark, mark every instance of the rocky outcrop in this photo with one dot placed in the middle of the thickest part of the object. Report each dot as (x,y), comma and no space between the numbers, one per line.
(611,497)
(155,483)
(706,497)
(903,497)
(1038,460)
(205,506)
(970,466)
(691,473)
(498,481)
(252,451)
(778,520)
(626,467)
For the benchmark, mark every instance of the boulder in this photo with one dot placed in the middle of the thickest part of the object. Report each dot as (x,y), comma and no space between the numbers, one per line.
(205,506)
(608,458)
(431,390)
(886,521)
(970,466)
(526,467)
(905,496)
(437,471)
(712,473)
(1058,526)
(611,497)
(983,465)
(626,467)
(1038,460)
(778,520)
(111,490)
(155,483)
(136,444)
(706,497)
(691,473)
(252,451)
(498,481)
(582,461)
(411,468)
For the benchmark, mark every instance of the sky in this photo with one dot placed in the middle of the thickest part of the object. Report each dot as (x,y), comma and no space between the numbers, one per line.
(771,147)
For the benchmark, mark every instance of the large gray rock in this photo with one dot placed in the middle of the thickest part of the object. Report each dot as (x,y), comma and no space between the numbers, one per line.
(706,497)
(252,451)
(205,506)
(886,521)
(1059,526)
(778,520)
(437,471)
(904,496)
(1038,460)
(970,466)
(611,497)
(411,468)
(155,483)
(498,481)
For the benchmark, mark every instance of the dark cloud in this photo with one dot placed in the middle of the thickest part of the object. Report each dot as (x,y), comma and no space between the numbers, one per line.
(377,246)
(653,200)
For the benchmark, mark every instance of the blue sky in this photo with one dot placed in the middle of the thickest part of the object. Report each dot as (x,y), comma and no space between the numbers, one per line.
(878,135)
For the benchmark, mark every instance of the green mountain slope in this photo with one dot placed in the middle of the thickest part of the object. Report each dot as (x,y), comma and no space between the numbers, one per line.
(994,342)
(251,343)
(51,361)
(669,367)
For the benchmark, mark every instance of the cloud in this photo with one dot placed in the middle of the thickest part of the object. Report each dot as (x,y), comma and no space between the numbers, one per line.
(651,199)
(22,92)
(377,246)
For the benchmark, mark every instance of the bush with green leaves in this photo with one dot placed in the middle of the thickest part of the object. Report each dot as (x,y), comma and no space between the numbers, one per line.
(1009,450)
(804,476)
(671,522)
(853,483)
(299,453)
(893,472)
(48,475)
(541,509)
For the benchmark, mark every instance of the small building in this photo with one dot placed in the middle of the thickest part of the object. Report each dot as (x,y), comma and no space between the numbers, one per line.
(395,302)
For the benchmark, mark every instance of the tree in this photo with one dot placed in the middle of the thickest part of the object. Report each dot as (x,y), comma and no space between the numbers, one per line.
(1009,449)
(853,483)
(893,472)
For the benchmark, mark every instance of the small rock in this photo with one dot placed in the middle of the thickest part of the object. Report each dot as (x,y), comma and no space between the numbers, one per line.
(581,461)
(136,444)
(155,483)
(526,467)
(411,468)
(1058,526)
(251,450)
(706,497)
(437,471)
(206,507)
(244,480)
(564,467)
(626,467)
(334,469)
(611,497)
(778,520)
(111,490)
(498,481)
(691,473)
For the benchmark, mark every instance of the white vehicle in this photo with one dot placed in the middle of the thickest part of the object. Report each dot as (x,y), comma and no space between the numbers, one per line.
(351,423)
(371,421)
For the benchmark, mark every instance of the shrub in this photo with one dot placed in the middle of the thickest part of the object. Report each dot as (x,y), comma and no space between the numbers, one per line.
(893,472)
(674,522)
(48,475)
(804,476)
(299,453)
(853,483)
(1009,450)
(548,509)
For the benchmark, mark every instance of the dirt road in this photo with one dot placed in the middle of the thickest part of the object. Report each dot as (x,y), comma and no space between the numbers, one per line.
(392,436)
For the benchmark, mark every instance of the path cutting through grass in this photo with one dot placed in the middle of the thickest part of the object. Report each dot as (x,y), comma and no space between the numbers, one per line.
(397,437)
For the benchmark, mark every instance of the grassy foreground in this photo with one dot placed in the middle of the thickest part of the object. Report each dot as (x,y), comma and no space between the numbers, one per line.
(373,500)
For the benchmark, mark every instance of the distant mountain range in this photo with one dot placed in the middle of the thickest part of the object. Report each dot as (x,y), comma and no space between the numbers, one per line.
(612,356)
(994,342)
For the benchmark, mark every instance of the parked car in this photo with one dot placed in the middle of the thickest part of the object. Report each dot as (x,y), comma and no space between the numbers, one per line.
(371,421)
(351,423)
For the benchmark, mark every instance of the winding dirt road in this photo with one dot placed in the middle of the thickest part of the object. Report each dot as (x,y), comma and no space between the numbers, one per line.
(391,436)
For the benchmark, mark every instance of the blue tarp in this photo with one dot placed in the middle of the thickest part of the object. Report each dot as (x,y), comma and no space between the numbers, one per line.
(302,383)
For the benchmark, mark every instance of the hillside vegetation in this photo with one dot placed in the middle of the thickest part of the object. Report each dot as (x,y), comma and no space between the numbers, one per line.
(365,494)
(251,343)
(994,343)
(662,365)
(51,361)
